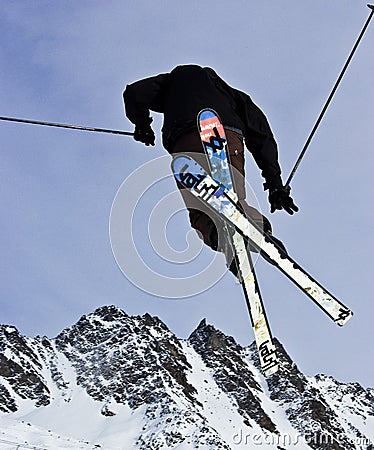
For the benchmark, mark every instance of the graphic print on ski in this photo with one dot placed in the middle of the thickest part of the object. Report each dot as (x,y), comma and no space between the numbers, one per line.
(214,140)
(191,175)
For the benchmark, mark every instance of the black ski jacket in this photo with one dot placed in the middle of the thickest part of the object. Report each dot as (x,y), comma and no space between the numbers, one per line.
(185,91)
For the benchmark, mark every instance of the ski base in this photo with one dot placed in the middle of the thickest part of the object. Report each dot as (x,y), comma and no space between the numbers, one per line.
(192,176)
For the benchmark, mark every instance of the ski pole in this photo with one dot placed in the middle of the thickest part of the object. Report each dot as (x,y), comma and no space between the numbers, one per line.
(62,125)
(306,145)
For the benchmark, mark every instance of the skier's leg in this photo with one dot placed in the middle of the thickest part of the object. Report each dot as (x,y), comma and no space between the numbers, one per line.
(205,227)
(214,234)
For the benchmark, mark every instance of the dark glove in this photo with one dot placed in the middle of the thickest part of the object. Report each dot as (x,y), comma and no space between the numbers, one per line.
(280,198)
(144,134)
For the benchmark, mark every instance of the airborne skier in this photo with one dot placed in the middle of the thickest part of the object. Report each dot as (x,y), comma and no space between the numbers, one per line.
(180,95)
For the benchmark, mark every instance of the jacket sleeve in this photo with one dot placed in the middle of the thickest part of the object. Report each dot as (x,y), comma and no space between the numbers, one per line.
(144,96)
(259,140)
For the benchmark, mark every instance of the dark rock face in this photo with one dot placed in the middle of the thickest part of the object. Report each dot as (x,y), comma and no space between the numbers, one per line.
(309,407)
(136,361)
(231,372)
(21,371)
(143,356)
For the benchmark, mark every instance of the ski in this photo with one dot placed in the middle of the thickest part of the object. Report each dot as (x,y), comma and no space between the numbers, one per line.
(192,176)
(214,141)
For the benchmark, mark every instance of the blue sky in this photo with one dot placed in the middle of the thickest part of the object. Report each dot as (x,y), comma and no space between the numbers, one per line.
(70,61)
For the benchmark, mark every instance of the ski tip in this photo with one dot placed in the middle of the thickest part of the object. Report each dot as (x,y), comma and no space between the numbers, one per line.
(175,162)
(206,113)
(344,317)
(268,372)
(371,7)
(179,162)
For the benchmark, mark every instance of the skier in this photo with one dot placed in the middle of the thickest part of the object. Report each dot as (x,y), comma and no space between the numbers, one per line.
(180,95)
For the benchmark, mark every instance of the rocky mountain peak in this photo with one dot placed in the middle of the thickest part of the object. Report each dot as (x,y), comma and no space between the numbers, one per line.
(204,392)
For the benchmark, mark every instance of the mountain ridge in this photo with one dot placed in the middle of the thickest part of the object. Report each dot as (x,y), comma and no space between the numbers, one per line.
(128,382)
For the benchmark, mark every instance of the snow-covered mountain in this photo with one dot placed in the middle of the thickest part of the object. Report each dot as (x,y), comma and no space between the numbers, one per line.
(113,382)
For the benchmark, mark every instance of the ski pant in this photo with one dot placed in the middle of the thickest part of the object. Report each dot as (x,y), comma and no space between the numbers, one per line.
(208,224)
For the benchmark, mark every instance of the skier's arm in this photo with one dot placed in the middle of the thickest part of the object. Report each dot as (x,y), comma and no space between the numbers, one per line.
(259,140)
(142,97)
